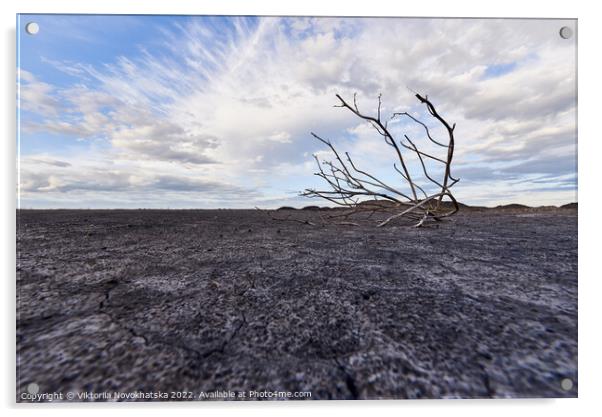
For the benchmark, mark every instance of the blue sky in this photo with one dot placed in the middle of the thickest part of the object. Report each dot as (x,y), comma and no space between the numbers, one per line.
(201,111)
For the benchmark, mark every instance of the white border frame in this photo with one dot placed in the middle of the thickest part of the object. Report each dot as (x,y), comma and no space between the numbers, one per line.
(590,25)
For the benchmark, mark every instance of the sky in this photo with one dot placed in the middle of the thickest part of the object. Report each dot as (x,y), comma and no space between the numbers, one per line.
(210,111)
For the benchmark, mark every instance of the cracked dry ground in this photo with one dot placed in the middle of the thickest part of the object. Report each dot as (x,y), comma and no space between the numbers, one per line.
(485,305)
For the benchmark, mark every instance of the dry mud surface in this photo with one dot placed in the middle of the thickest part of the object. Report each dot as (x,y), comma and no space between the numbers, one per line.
(485,305)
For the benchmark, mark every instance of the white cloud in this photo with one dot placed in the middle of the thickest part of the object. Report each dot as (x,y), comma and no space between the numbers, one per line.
(281,137)
(124,184)
(36,96)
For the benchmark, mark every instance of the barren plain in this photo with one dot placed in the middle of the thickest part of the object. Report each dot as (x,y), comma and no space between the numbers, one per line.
(483,305)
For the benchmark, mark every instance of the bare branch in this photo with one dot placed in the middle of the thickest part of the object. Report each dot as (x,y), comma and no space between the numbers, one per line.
(349,184)
(428,133)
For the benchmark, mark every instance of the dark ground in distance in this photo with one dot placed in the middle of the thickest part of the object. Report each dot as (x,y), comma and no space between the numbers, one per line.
(485,305)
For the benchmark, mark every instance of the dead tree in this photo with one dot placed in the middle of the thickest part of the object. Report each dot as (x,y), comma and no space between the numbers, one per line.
(350,186)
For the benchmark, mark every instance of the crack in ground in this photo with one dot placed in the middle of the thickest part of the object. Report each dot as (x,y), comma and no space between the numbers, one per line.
(349,380)
(487,382)
(225,343)
(199,354)
(112,284)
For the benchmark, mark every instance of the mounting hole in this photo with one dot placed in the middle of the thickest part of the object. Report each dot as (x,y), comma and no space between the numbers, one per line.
(566,384)
(32,28)
(566,32)
(33,388)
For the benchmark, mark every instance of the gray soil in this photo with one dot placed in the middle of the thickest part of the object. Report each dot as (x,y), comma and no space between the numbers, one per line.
(483,305)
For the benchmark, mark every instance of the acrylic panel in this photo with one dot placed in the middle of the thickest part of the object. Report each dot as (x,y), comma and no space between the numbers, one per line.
(295,208)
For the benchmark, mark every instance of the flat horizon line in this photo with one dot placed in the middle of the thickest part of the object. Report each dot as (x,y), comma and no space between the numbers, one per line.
(508,205)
